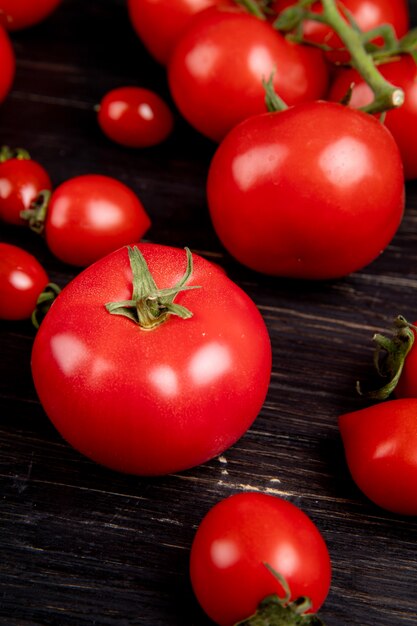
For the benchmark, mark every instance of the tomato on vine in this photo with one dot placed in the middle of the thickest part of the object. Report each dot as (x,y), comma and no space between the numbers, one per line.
(135,117)
(21,181)
(87,217)
(152,361)
(255,555)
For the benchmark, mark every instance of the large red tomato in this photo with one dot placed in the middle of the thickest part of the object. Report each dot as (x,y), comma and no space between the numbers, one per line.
(159,398)
(218,65)
(368,14)
(159,23)
(236,541)
(402,121)
(17,14)
(7,64)
(381,451)
(315,191)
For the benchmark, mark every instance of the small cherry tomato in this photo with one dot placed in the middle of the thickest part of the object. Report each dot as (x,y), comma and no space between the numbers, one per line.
(17,14)
(238,543)
(89,216)
(7,64)
(368,14)
(159,23)
(144,384)
(135,117)
(380,444)
(21,181)
(217,68)
(22,280)
(315,191)
(402,121)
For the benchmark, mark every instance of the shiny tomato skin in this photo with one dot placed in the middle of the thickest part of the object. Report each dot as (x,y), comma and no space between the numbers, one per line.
(159,23)
(91,215)
(157,401)
(315,191)
(234,541)
(21,180)
(402,122)
(18,14)
(216,70)
(368,14)
(380,444)
(7,64)
(22,280)
(135,117)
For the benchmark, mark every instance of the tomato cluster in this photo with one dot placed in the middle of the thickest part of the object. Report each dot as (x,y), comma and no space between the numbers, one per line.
(314,191)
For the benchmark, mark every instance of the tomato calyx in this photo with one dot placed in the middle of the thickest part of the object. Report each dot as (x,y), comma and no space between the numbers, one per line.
(277,611)
(252,7)
(35,215)
(273,101)
(389,357)
(150,306)
(386,95)
(7,153)
(44,303)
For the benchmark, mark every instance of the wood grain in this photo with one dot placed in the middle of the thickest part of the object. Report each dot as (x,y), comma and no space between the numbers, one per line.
(81,545)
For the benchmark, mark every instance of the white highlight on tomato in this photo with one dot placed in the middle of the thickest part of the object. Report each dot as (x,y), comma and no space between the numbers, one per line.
(210,362)
(224,553)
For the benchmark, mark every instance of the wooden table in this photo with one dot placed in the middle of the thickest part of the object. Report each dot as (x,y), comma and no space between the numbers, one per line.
(82,545)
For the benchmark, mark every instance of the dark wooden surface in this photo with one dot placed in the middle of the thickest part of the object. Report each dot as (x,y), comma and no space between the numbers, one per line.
(81,545)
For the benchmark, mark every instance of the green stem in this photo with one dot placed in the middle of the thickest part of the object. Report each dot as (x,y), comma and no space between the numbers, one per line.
(150,306)
(389,357)
(44,303)
(7,153)
(252,7)
(272,99)
(35,215)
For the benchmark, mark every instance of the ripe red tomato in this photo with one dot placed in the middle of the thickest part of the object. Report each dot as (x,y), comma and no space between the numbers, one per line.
(315,191)
(153,401)
(381,451)
(402,122)
(159,23)
(235,541)
(22,280)
(17,14)
(217,67)
(135,117)
(7,64)
(368,15)
(21,181)
(91,215)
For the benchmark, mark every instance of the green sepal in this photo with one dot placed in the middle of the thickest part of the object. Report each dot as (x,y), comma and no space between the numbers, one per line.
(44,303)
(7,153)
(35,215)
(273,101)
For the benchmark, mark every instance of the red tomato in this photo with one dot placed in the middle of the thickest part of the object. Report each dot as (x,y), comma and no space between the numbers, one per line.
(159,23)
(235,540)
(7,64)
(381,451)
(216,70)
(22,280)
(89,216)
(156,401)
(368,15)
(135,117)
(402,122)
(315,191)
(17,14)
(21,181)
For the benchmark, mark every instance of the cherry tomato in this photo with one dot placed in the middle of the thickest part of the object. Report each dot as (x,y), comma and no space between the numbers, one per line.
(368,14)
(315,191)
(21,181)
(402,122)
(22,280)
(381,451)
(159,23)
(17,14)
(158,400)
(217,67)
(135,117)
(237,539)
(7,64)
(91,215)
